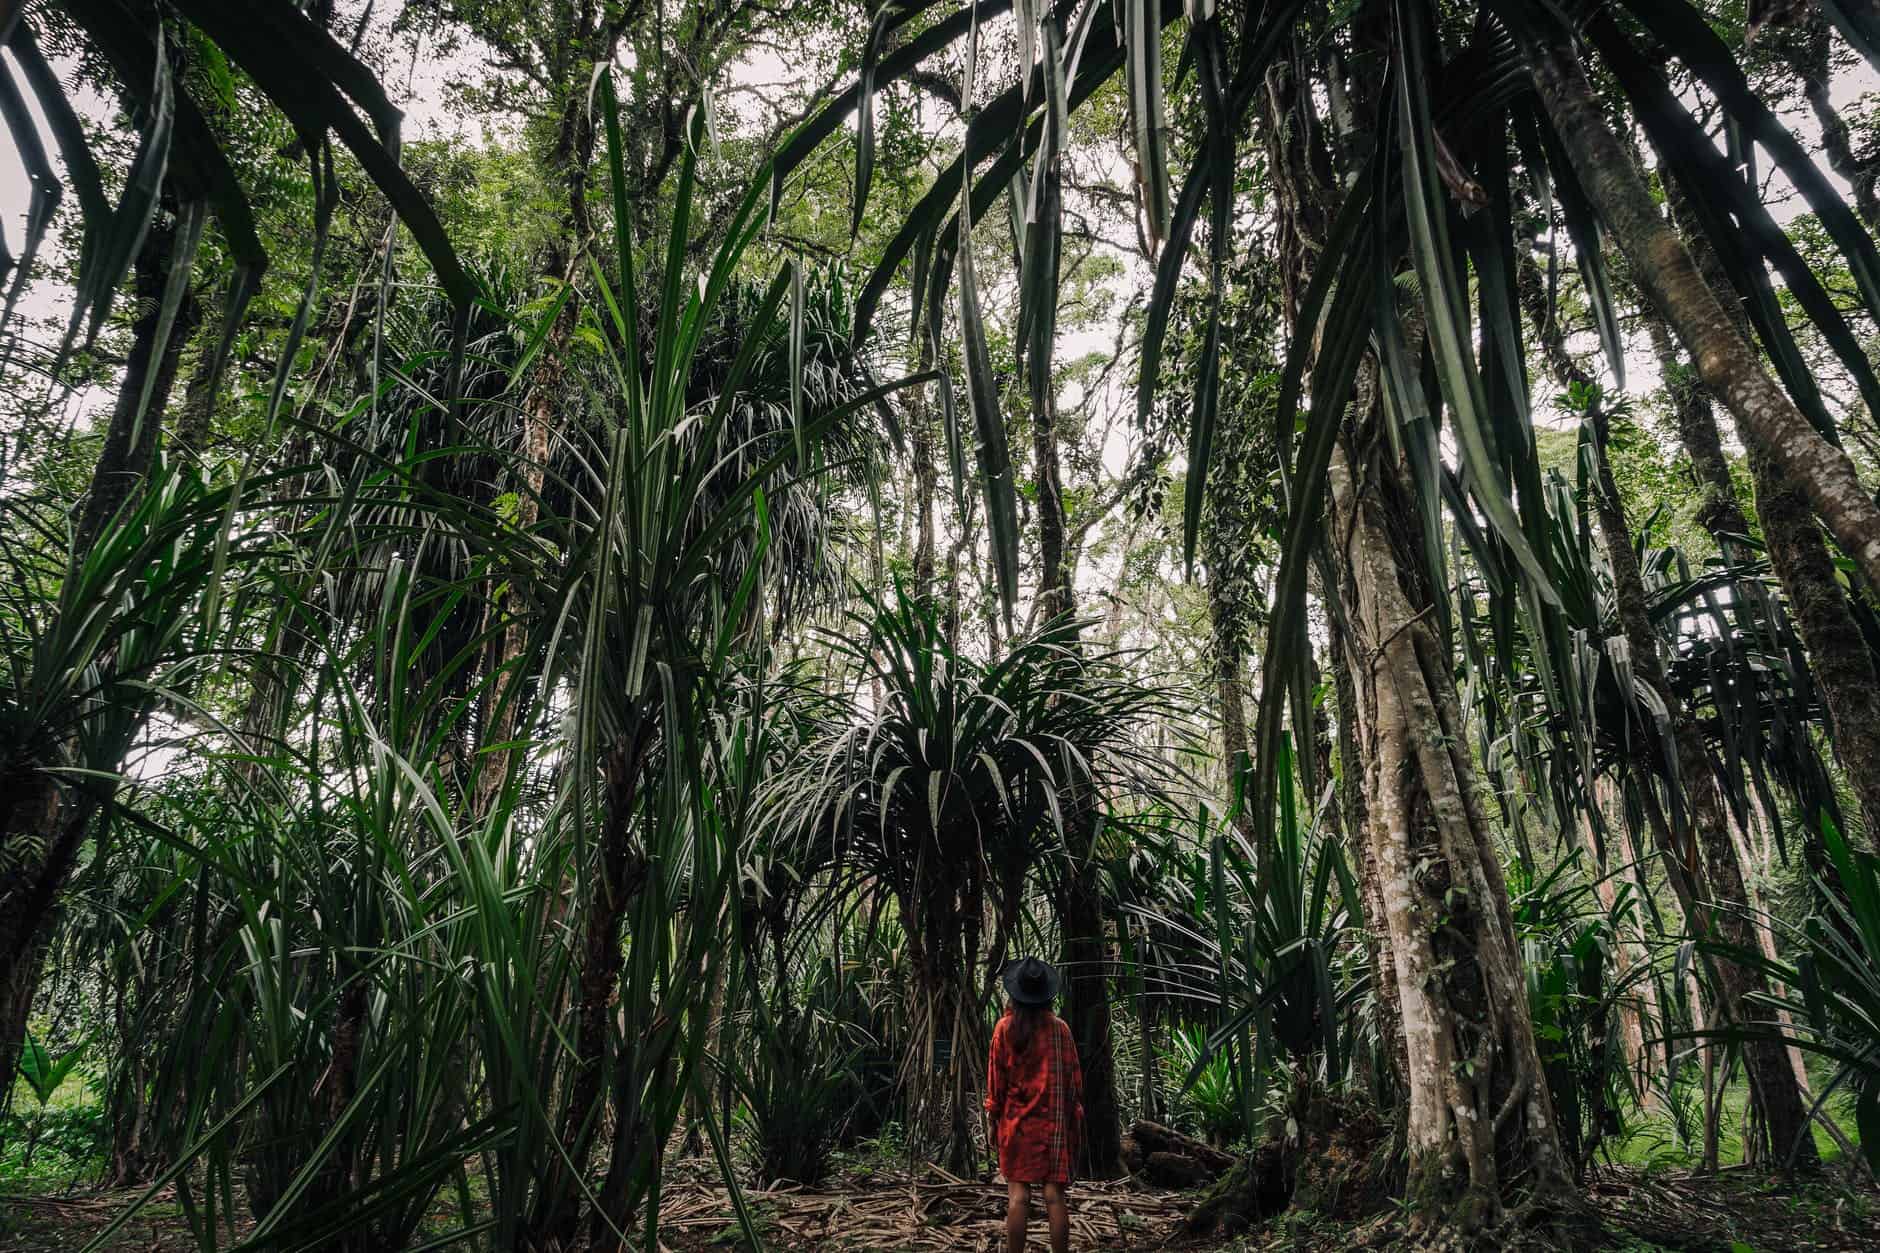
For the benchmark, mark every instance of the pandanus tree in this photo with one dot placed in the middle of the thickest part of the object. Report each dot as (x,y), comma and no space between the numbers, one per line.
(93,642)
(549,1018)
(179,176)
(1434,109)
(954,789)
(1752,705)
(1727,695)
(669,575)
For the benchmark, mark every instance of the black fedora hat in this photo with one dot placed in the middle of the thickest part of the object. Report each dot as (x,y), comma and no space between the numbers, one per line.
(1029,981)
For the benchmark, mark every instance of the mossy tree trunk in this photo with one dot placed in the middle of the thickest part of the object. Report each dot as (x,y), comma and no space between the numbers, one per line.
(1482,1140)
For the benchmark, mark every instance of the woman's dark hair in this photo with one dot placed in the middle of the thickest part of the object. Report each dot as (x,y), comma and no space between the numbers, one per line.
(1026,1019)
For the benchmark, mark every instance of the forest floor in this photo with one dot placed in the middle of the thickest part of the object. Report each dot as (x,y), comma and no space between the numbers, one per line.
(1734,1211)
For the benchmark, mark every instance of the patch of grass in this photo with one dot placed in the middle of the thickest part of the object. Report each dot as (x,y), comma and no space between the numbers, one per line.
(57,1144)
(1651,1141)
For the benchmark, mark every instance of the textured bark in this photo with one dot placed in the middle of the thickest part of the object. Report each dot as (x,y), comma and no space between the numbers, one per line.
(1755,868)
(1356,812)
(189,433)
(1481,1130)
(1302,183)
(1230,673)
(925,449)
(1056,593)
(1721,514)
(1629,953)
(1726,363)
(1839,660)
(1306,189)
(1230,685)
(617,877)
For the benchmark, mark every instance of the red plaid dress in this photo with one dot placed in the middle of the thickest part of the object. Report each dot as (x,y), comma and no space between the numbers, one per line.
(1036,1101)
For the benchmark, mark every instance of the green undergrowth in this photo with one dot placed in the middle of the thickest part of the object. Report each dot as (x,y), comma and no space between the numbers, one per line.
(1653,1139)
(56,1145)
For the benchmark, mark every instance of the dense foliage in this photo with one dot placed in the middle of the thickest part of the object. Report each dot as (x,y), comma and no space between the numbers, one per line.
(579,577)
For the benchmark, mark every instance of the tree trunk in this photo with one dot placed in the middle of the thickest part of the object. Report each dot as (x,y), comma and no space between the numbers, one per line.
(537,431)
(19,983)
(1086,957)
(567,162)
(1056,593)
(925,450)
(1087,1008)
(1625,957)
(1726,363)
(1307,190)
(1721,514)
(617,877)
(1839,660)
(1229,557)
(1639,1007)
(1356,812)
(1481,1132)
(1149,1098)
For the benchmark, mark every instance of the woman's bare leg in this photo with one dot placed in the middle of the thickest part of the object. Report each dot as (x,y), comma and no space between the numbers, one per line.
(1057,1208)
(1017,1215)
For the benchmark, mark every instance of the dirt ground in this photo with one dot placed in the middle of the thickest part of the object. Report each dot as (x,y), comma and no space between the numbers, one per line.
(1731,1212)
(919,1213)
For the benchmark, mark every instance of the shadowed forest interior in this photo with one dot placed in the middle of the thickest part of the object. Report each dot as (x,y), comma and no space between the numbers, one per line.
(580,576)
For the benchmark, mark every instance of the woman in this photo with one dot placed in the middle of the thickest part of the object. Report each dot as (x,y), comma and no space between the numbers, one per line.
(1035,1098)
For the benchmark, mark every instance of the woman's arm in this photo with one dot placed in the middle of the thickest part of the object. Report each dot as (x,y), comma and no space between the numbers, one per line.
(995,1075)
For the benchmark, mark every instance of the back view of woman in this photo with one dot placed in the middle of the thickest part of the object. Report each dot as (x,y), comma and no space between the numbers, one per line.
(1035,1098)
